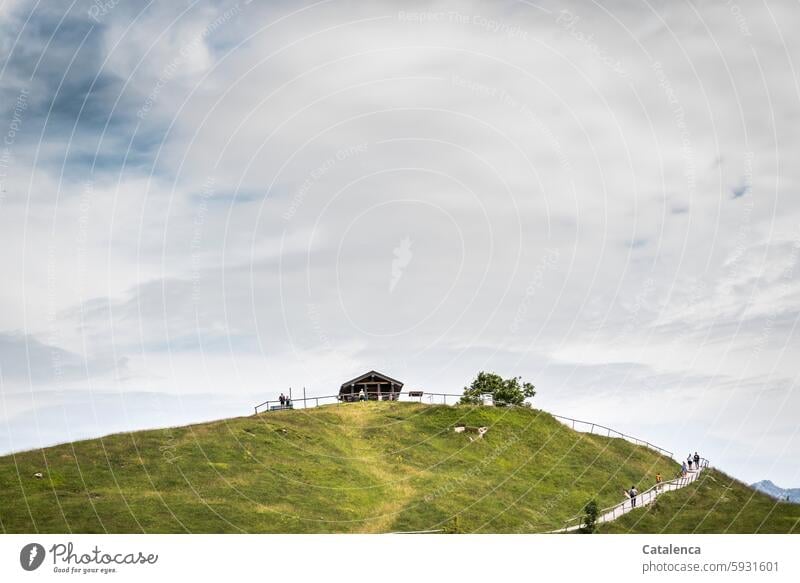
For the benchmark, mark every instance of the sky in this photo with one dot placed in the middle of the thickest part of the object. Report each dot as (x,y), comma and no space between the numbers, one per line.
(205,203)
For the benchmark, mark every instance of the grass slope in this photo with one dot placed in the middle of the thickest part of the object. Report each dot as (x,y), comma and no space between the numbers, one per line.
(714,503)
(361,467)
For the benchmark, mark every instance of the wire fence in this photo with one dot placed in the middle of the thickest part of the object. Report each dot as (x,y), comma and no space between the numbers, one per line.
(597,429)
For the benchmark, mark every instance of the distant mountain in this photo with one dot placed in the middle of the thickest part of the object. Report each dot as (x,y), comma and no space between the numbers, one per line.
(771,489)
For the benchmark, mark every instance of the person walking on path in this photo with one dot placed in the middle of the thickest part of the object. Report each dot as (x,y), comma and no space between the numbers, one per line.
(683,470)
(696,461)
(689,461)
(633,493)
(282,400)
(659,481)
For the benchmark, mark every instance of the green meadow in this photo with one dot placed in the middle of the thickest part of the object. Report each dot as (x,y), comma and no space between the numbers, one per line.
(371,467)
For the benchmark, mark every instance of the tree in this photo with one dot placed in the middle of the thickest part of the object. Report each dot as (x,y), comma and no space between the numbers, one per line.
(589,519)
(503,391)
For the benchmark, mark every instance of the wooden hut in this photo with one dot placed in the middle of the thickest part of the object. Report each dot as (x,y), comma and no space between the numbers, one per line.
(376,387)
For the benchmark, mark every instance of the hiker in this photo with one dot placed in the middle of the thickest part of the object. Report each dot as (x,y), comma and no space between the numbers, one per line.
(633,493)
(361,395)
(696,461)
(659,480)
(689,461)
(282,399)
(683,470)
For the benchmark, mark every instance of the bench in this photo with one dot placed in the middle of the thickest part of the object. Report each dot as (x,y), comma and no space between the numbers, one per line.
(280,407)
(415,393)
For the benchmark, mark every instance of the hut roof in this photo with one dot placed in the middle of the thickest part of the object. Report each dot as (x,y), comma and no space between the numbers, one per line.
(373,375)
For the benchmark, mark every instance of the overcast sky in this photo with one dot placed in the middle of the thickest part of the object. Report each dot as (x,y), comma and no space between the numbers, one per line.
(204,203)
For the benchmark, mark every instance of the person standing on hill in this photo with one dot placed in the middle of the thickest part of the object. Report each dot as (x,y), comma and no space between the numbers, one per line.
(282,400)
(659,480)
(633,493)
(689,461)
(696,461)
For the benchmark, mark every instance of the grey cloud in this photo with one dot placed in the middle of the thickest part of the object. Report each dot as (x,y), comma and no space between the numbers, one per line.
(741,190)
(26,360)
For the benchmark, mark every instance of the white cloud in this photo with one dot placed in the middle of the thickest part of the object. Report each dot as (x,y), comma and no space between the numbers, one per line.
(243,226)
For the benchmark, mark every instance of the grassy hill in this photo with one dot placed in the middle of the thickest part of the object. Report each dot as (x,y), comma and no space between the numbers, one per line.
(714,503)
(360,467)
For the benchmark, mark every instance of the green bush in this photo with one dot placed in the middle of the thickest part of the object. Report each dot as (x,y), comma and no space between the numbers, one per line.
(589,518)
(503,391)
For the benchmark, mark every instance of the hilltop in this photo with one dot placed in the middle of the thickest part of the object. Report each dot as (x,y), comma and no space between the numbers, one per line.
(359,467)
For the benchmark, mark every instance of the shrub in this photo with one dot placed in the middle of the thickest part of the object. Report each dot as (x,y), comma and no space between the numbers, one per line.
(589,518)
(503,391)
